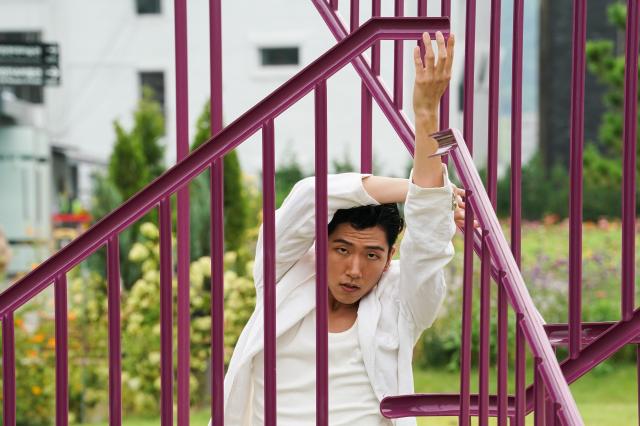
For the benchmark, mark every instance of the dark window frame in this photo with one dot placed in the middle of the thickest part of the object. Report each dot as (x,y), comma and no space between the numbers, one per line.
(149,7)
(278,56)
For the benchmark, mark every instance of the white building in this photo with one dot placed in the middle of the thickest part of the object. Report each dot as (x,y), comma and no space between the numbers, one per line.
(110,48)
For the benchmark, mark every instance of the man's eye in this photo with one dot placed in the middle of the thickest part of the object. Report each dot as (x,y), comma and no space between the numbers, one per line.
(373,256)
(341,250)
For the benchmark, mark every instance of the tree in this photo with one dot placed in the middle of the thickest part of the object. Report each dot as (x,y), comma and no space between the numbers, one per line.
(603,160)
(235,198)
(136,159)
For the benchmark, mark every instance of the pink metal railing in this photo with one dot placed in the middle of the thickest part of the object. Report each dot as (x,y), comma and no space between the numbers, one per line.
(158,193)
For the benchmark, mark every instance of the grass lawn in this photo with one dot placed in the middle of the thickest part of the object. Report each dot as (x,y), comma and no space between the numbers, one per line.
(604,398)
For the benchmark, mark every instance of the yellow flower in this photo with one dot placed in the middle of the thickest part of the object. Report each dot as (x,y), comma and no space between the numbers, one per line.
(32,354)
(51,343)
(36,390)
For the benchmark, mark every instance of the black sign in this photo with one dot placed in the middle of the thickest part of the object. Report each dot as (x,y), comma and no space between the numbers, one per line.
(29,64)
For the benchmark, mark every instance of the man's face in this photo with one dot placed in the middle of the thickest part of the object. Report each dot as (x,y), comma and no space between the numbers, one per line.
(357,258)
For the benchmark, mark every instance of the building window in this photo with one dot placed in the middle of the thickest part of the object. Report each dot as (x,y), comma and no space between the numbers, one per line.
(277,56)
(154,80)
(148,7)
(33,94)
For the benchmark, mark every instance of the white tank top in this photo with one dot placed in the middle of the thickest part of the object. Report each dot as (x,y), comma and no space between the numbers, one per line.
(352,401)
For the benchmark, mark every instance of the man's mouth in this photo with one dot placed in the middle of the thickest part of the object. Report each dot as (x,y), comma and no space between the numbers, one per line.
(349,288)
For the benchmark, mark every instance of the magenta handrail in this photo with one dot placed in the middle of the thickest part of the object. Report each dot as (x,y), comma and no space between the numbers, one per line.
(508,274)
(227,139)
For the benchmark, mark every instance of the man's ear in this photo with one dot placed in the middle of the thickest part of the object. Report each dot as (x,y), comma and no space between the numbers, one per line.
(392,251)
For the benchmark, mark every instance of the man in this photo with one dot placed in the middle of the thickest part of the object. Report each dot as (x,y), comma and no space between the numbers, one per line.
(377,307)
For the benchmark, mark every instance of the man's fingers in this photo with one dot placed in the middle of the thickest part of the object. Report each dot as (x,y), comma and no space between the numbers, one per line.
(450,44)
(442,50)
(428,53)
(417,60)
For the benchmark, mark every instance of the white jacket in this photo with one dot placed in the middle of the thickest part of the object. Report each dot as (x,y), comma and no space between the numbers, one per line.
(391,317)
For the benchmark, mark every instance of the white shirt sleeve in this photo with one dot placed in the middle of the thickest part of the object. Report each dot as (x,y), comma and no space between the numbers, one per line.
(425,250)
(295,219)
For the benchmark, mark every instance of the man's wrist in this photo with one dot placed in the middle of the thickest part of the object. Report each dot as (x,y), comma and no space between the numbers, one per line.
(429,113)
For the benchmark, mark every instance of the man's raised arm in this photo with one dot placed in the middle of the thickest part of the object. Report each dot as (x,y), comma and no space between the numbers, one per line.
(426,246)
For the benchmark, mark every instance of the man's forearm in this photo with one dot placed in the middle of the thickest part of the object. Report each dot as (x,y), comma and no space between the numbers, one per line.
(386,189)
(427,171)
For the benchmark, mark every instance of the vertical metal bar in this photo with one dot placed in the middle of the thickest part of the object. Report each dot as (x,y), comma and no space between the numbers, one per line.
(354,17)
(182,141)
(422,8)
(516,130)
(494,102)
(549,411)
(269,261)
(467,312)
(62,360)
(445,10)
(521,381)
(638,379)
(366,148)
(629,136)
(217,220)
(322,361)
(217,293)
(485,330)
(8,371)
(503,356)
(115,352)
(575,194)
(166,338)
(366,142)
(469,74)
(375,49)
(538,388)
(397,60)
(334,4)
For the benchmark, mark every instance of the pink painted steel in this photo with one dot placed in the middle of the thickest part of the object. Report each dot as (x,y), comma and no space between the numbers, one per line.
(366,139)
(8,370)
(268,253)
(354,17)
(334,4)
(629,136)
(469,72)
(422,8)
(376,10)
(494,103)
(217,292)
(398,56)
(575,170)
(183,228)
(529,321)
(467,320)
(516,130)
(503,356)
(520,367)
(217,219)
(396,118)
(216,147)
(538,387)
(62,351)
(166,319)
(113,314)
(445,11)
(322,289)
(485,331)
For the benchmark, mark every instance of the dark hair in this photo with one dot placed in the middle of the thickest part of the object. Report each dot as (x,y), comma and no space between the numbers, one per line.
(387,216)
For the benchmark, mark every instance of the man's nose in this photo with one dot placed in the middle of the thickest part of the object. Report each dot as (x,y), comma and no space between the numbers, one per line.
(354,268)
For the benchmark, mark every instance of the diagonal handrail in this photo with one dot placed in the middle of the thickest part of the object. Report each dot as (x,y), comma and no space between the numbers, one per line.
(342,53)
(396,117)
(511,278)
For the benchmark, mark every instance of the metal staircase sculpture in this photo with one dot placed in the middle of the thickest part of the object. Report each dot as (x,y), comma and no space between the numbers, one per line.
(549,397)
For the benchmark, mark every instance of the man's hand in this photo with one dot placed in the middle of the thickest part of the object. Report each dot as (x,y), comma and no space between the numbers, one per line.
(433,77)
(460,207)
